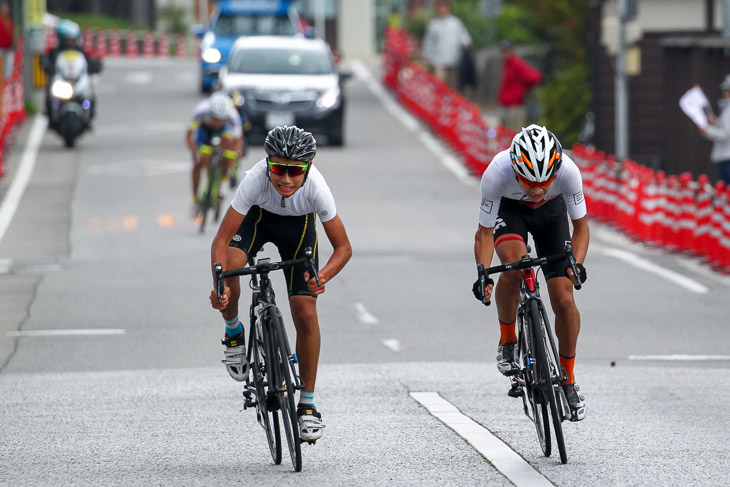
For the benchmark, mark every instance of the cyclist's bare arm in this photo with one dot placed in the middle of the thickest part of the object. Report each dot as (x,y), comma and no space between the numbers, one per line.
(580,239)
(342,251)
(484,251)
(219,251)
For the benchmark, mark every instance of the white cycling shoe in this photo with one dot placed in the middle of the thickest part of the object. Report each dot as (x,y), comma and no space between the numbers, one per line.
(310,424)
(236,362)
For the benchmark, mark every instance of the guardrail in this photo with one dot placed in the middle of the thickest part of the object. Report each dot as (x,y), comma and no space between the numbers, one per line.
(673,212)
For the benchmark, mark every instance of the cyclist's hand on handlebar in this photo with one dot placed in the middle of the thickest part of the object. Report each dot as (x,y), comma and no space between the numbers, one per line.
(312,283)
(477,290)
(225,297)
(582,274)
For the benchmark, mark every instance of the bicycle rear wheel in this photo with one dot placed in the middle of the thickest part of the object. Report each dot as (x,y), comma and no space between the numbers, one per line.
(265,408)
(547,371)
(534,396)
(286,389)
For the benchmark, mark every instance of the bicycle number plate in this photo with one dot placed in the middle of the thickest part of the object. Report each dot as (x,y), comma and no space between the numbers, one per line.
(276,119)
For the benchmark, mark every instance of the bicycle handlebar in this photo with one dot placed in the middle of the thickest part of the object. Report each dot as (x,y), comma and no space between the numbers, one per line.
(264,267)
(527,262)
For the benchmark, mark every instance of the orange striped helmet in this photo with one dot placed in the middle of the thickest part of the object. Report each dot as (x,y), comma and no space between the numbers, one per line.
(536,154)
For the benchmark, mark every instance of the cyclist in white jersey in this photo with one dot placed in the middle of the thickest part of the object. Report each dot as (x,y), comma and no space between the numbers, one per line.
(532,188)
(279,201)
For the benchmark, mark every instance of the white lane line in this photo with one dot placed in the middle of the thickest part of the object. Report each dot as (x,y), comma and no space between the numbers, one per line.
(77,332)
(25,171)
(392,344)
(675,277)
(364,316)
(139,78)
(411,123)
(681,357)
(504,459)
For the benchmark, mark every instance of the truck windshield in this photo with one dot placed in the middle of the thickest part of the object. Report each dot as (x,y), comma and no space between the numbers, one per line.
(250,24)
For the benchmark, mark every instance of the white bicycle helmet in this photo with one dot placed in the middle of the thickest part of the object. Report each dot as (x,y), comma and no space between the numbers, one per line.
(220,105)
(536,154)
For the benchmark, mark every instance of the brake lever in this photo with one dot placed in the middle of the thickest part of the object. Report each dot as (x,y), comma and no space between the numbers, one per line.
(483,284)
(218,268)
(310,265)
(571,260)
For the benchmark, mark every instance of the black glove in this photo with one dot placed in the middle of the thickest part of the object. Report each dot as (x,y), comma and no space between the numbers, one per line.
(581,272)
(477,288)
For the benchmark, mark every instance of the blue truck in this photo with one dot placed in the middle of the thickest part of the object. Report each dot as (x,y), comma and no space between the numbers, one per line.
(232,19)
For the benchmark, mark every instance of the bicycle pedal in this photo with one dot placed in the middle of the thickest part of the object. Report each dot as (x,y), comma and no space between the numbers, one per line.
(311,442)
(249,403)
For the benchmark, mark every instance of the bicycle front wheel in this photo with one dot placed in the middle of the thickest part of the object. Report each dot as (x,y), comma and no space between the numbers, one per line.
(533,394)
(286,391)
(267,416)
(548,375)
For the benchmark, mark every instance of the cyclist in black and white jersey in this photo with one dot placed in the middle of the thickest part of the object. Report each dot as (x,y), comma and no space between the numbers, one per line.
(533,188)
(279,200)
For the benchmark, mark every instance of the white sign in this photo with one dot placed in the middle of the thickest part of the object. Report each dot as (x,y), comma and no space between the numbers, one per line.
(694,103)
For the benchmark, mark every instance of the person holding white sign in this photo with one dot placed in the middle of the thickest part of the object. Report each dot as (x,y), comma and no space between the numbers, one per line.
(718,131)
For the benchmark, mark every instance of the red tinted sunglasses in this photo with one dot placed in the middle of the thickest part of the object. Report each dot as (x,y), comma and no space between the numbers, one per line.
(535,184)
(292,170)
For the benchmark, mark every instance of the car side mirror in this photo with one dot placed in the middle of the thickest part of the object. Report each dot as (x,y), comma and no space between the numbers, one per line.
(198,30)
(345,74)
(310,32)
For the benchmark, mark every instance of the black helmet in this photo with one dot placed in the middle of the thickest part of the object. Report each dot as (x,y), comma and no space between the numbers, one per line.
(290,143)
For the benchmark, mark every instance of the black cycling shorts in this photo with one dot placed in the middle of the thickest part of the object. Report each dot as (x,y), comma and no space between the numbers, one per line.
(548,225)
(290,234)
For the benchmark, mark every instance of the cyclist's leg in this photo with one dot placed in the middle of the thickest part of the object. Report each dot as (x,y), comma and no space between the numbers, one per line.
(203,157)
(248,240)
(229,144)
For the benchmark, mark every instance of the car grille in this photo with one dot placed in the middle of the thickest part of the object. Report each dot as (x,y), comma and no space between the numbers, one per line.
(282,101)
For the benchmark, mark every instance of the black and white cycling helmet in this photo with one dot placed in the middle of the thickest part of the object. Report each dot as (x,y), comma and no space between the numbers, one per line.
(220,105)
(536,154)
(291,143)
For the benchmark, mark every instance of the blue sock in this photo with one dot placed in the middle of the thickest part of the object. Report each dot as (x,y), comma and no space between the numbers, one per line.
(233,327)
(306,399)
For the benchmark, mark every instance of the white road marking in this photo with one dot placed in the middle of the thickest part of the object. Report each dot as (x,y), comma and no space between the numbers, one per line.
(77,332)
(681,357)
(411,123)
(139,78)
(501,456)
(392,344)
(675,277)
(22,176)
(364,316)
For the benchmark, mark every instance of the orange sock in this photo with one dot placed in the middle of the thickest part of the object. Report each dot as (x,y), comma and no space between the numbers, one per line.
(507,333)
(567,363)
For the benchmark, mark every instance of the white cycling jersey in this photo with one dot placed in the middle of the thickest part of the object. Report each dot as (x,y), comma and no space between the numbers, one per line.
(313,197)
(499,181)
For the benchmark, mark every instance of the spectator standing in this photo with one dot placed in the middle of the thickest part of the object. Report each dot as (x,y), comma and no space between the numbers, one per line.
(718,131)
(6,39)
(518,77)
(443,42)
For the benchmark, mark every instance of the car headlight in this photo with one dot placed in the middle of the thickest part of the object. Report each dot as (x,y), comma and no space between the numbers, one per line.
(62,89)
(211,55)
(329,98)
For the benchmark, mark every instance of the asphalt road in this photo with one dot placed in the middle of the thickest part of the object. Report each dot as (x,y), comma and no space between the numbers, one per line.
(130,390)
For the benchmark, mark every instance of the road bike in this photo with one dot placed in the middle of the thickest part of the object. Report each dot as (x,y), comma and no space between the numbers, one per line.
(539,376)
(273,378)
(211,198)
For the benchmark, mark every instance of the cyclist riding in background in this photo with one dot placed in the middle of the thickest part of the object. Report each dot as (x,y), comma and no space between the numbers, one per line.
(528,188)
(215,116)
(279,201)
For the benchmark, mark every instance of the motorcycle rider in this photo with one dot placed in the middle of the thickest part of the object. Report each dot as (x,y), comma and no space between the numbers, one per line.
(69,38)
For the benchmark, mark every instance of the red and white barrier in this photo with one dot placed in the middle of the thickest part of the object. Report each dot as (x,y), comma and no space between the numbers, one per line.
(148,49)
(163,47)
(132,49)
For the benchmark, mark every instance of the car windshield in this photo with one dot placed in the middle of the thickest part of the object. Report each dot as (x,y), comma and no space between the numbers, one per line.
(281,61)
(248,24)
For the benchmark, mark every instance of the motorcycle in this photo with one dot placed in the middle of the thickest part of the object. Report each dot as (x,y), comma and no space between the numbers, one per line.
(71,95)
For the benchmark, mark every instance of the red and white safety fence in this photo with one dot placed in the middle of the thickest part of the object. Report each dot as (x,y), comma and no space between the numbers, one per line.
(673,212)
(12,107)
(130,43)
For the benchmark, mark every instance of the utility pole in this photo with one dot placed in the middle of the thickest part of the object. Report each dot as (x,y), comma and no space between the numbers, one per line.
(621,87)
